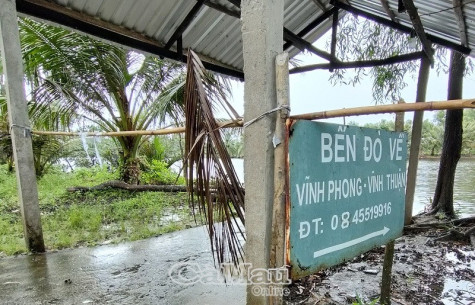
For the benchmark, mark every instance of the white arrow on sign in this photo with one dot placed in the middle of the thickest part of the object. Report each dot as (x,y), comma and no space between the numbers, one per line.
(350,243)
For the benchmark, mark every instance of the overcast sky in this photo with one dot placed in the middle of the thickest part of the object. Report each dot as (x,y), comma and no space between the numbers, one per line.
(312,91)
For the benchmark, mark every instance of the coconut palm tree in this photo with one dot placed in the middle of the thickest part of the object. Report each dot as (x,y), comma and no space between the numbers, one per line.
(74,76)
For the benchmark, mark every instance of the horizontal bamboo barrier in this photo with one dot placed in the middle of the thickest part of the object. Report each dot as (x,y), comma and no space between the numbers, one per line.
(405,107)
(164,131)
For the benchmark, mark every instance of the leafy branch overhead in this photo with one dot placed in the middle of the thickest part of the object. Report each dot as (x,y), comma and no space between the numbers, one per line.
(212,182)
(362,39)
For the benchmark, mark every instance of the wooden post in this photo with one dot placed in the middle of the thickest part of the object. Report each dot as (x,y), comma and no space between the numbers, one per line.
(277,258)
(20,127)
(385,298)
(416,139)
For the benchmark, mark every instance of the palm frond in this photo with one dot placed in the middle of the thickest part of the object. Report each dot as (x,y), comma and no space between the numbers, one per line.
(212,183)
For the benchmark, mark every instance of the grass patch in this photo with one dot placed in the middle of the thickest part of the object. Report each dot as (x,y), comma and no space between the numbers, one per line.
(90,218)
(11,235)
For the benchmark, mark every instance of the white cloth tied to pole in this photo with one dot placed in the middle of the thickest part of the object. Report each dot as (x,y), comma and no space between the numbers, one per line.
(85,146)
(98,156)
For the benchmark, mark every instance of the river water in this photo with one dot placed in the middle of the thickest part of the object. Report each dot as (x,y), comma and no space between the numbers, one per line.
(464,188)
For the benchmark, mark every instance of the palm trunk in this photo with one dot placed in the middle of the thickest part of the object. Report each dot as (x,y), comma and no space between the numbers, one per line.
(130,171)
(452,146)
(130,165)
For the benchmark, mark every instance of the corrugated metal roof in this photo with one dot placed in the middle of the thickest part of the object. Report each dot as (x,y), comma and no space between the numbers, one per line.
(215,30)
(437,16)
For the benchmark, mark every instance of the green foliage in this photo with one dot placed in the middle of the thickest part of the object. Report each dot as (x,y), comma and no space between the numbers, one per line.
(362,39)
(83,217)
(431,138)
(6,152)
(75,156)
(46,150)
(53,185)
(433,133)
(233,141)
(93,175)
(11,234)
(114,89)
(159,173)
(165,148)
(360,301)
(383,124)
(89,218)
(468,136)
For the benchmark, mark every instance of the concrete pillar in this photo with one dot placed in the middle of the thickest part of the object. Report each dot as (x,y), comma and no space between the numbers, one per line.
(20,126)
(262,32)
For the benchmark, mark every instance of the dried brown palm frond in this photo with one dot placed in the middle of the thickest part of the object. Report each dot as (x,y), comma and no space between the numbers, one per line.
(212,183)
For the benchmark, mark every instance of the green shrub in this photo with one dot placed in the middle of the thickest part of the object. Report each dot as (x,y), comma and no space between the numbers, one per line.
(159,173)
(72,219)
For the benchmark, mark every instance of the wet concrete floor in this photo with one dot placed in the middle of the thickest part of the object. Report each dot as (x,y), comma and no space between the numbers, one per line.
(128,273)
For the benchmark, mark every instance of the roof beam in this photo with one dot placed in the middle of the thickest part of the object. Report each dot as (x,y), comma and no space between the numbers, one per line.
(333,41)
(400,27)
(400,6)
(92,26)
(320,5)
(223,9)
(458,10)
(297,40)
(360,63)
(419,28)
(236,3)
(185,23)
(312,25)
(302,44)
(388,10)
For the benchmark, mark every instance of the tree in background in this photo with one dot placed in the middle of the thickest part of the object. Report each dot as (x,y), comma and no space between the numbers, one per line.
(6,152)
(360,39)
(117,90)
(432,136)
(468,136)
(46,150)
(233,140)
(452,146)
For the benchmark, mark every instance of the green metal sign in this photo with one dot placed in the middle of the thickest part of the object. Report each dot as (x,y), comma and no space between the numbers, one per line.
(347,192)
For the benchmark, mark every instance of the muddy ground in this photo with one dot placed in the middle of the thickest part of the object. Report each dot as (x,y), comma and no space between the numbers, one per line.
(427,269)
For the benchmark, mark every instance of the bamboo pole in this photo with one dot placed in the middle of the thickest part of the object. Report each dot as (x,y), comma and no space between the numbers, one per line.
(164,131)
(277,255)
(428,106)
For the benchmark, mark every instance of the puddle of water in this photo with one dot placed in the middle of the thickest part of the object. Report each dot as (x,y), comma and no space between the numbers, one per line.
(468,258)
(458,292)
(165,219)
